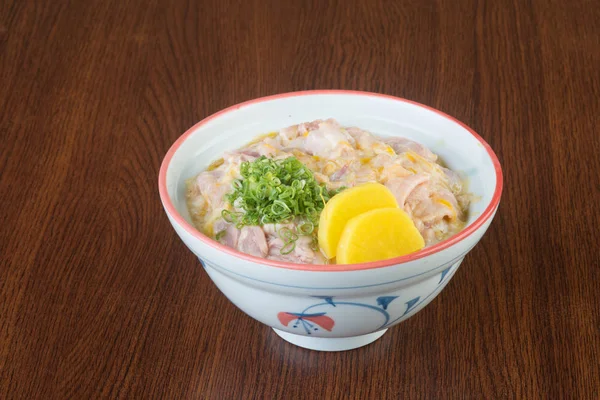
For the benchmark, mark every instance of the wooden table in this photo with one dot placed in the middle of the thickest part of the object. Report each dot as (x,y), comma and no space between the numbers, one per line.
(100,299)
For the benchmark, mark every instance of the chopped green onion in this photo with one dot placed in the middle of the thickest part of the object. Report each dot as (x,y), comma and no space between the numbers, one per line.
(287,235)
(226,214)
(288,248)
(276,191)
(279,207)
(220,234)
(230,217)
(306,228)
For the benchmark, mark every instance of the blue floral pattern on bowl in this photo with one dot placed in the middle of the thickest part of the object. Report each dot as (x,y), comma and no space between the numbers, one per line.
(312,319)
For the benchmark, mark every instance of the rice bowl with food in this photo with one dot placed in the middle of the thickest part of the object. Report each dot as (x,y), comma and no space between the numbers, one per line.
(333,230)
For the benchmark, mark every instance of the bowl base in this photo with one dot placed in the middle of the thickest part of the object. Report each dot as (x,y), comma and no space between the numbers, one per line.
(330,344)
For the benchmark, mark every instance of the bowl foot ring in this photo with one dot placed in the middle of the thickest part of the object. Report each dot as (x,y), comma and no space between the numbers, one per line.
(330,344)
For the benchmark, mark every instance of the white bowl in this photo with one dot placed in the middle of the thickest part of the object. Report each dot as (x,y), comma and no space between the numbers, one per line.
(332,307)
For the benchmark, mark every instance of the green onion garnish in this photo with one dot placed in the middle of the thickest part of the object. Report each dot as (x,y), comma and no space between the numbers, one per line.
(288,247)
(287,235)
(277,191)
(306,228)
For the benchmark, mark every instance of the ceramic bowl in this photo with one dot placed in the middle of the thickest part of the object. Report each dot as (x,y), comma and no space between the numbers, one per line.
(332,307)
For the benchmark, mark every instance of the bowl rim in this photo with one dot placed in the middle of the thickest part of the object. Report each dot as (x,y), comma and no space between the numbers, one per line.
(427,251)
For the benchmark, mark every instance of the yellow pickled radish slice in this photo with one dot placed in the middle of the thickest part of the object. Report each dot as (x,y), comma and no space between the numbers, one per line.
(346,205)
(378,235)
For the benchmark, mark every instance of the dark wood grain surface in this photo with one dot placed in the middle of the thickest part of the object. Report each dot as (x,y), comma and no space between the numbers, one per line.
(100,299)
